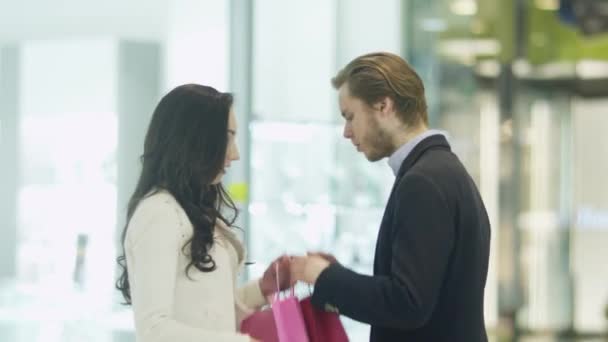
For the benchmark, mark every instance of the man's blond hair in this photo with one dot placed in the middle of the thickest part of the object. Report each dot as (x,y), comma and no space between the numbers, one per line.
(374,76)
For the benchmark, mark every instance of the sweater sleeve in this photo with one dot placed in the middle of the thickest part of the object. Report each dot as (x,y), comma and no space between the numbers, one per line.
(153,247)
(249,298)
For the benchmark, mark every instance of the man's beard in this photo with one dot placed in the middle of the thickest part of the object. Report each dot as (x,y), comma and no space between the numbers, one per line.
(378,141)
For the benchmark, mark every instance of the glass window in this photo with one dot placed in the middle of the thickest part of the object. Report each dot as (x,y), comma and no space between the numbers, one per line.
(310,190)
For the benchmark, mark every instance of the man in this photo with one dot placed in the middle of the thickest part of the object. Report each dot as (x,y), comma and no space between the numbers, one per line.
(432,250)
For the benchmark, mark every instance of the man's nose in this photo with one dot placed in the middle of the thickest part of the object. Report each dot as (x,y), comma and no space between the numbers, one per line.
(347,132)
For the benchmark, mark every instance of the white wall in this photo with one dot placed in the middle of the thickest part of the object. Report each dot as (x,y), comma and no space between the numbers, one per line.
(195,33)
(293,59)
(42,19)
(81,71)
(197,43)
(367,26)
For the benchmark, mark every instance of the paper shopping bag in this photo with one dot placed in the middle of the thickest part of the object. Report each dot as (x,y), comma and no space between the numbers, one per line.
(261,326)
(289,321)
(321,325)
(283,323)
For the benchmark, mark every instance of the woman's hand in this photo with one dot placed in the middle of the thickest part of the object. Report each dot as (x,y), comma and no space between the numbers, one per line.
(268,282)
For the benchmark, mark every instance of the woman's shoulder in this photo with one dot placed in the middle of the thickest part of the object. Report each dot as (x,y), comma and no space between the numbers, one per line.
(158,210)
(158,203)
(157,199)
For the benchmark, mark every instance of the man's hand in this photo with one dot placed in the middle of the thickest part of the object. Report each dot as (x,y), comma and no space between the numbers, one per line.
(308,268)
(268,282)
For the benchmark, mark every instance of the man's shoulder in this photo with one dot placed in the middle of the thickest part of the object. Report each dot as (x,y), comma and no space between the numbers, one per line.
(438,164)
(436,172)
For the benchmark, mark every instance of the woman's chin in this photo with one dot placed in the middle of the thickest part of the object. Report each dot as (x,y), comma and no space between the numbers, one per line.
(218,179)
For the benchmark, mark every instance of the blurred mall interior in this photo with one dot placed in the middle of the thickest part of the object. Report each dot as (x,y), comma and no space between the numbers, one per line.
(521,86)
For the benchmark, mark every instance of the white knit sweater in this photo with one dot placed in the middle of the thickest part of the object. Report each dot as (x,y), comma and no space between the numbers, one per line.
(170,307)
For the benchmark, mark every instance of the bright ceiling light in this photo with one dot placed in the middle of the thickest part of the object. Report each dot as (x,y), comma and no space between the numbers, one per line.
(464,7)
(547,5)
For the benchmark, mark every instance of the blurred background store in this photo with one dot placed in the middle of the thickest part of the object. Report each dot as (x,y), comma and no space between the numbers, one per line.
(521,86)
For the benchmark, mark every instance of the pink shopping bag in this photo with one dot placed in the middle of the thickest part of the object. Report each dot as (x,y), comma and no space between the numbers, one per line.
(289,320)
(283,323)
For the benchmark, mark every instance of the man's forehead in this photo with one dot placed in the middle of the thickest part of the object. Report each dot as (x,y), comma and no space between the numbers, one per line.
(343,96)
(343,91)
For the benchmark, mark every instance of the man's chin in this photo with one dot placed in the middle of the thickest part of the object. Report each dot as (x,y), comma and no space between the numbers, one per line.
(373,157)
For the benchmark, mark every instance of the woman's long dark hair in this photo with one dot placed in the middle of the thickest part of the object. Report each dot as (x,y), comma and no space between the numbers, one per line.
(184,152)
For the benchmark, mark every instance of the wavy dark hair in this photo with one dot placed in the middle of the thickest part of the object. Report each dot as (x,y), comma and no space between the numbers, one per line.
(184,151)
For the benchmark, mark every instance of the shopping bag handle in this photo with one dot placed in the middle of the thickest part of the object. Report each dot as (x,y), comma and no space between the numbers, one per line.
(275,297)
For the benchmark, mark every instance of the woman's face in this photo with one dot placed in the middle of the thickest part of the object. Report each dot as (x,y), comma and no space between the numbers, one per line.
(232,151)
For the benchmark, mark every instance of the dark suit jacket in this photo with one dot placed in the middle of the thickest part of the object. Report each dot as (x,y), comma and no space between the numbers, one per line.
(431,257)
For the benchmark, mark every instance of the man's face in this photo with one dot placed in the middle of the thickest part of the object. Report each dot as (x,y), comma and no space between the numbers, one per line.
(362,126)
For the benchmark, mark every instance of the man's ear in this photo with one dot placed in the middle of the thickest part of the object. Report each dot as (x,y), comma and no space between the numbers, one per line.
(385,106)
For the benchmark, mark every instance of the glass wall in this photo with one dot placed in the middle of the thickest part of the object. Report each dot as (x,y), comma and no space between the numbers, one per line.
(444,50)
(310,190)
(66,200)
(78,118)
(545,206)
(512,84)
(590,213)
(516,85)
(77,88)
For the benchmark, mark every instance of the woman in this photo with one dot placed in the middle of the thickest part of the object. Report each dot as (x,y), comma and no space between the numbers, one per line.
(180,255)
